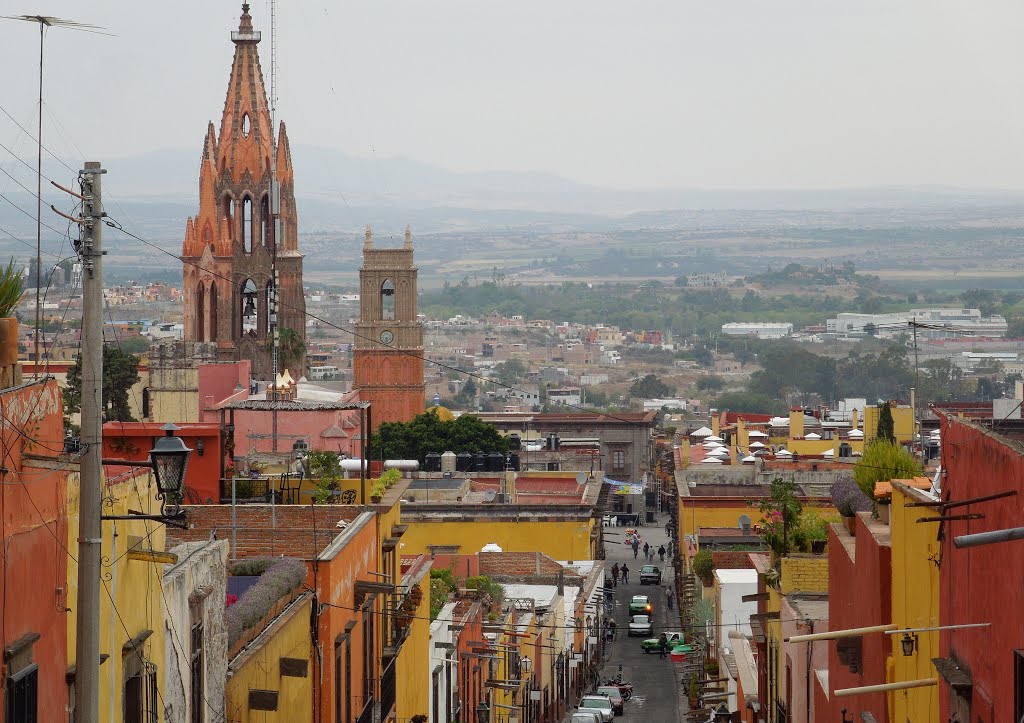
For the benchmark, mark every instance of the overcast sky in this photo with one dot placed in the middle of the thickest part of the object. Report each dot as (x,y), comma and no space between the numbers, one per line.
(628,94)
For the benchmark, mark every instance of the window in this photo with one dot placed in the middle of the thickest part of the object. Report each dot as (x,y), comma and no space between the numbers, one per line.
(248,234)
(618,461)
(140,705)
(23,696)
(1018,686)
(387,300)
(246,125)
(198,699)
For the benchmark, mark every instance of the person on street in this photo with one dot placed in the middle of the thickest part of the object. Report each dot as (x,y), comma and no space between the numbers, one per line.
(625,574)
(647,549)
(636,547)
(661,553)
(615,575)
(662,645)
(668,597)
(611,628)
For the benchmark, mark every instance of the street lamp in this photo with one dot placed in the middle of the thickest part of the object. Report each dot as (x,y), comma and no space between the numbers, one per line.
(909,643)
(483,713)
(168,459)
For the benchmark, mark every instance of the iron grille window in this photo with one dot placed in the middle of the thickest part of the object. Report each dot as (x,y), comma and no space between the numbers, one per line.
(196,670)
(140,697)
(618,461)
(23,696)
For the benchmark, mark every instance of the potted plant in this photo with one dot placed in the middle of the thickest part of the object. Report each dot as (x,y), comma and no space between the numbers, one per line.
(848,500)
(12,289)
(693,691)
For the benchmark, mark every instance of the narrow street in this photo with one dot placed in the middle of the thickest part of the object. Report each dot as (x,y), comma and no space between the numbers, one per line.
(655,690)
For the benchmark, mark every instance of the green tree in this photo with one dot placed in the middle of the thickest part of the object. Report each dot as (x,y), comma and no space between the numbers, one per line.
(886,427)
(781,512)
(711,382)
(649,387)
(291,349)
(883,461)
(428,433)
(984,300)
(751,402)
(511,371)
(120,373)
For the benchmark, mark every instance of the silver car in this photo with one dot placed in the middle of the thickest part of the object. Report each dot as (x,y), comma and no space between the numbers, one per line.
(641,625)
(597,704)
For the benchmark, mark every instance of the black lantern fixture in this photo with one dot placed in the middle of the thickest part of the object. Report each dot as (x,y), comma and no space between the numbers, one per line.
(200,447)
(169,458)
(527,664)
(722,714)
(483,712)
(909,643)
(299,448)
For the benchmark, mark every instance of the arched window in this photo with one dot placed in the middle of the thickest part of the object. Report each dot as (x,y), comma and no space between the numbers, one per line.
(387,300)
(265,225)
(213,311)
(201,312)
(248,307)
(248,234)
(229,215)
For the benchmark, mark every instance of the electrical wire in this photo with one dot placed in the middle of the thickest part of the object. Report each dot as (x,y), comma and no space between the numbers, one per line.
(112,223)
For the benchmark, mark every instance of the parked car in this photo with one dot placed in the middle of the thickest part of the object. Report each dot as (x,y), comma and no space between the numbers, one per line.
(650,575)
(651,644)
(598,704)
(641,625)
(612,693)
(640,605)
(586,716)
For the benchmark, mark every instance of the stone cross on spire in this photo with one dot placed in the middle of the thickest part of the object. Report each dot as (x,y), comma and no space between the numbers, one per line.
(368,239)
(408,238)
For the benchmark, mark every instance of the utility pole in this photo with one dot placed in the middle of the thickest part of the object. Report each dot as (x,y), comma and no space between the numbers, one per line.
(90,533)
(275,215)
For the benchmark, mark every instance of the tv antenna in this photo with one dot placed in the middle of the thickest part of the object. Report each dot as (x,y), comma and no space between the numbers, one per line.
(44,21)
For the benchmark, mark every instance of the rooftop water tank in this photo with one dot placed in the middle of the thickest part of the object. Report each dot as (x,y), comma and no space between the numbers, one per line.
(448,462)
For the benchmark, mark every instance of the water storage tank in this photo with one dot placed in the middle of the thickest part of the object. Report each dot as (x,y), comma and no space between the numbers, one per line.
(432,462)
(351,467)
(513,461)
(554,443)
(463,462)
(403,465)
(515,441)
(491,547)
(448,463)
(479,462)
(495,462)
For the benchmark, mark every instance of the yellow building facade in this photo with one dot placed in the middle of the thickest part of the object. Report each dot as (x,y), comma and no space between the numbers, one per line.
(271,680)
(132,632)
(915,604)
(560,539)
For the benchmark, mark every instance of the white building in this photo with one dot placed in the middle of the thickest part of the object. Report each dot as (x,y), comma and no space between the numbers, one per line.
(650,404)
(568,396)
(954,323)
(762,330)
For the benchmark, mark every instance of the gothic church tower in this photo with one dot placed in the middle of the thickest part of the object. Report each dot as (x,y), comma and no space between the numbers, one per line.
(388,357)
(233,236)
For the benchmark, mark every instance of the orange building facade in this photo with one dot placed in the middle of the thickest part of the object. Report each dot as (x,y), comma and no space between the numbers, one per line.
(231,247)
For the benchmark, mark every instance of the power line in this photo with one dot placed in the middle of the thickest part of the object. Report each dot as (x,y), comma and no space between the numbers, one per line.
(112,223)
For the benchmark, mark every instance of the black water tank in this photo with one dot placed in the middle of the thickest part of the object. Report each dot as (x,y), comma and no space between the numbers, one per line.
(479,462)
(515,442)
(495,462)
(432,462)
(513,461)
(463,462)
(845,450)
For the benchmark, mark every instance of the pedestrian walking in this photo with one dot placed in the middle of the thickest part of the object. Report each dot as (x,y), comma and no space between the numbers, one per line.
(647,549)
(625,574)
(611,628)
(662,645)
(636,547)
(668,597)
(615,575)
(661,553)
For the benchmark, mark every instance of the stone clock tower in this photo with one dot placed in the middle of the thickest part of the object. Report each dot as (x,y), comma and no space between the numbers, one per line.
(388,357)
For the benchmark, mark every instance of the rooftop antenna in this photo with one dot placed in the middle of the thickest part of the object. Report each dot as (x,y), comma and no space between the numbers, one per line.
(44,21)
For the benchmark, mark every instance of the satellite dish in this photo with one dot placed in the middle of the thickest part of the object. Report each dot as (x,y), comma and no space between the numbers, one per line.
(581,478)
(744,521)
(489,495)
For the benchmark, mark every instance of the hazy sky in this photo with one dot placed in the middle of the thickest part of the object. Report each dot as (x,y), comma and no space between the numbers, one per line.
(630,94)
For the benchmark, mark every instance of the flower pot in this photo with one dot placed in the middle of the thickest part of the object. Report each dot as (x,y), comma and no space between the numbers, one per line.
(818,546)
(850,523)
(883,513)
(8,341)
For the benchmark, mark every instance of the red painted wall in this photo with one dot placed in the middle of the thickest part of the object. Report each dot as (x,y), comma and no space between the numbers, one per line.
(859,595)
(217,382)
(134,440)
(982,584)
(33,582)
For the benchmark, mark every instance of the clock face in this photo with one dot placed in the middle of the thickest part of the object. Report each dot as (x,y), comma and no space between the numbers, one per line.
(387,337)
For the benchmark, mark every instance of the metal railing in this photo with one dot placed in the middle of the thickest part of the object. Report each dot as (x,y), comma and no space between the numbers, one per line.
(387,690)
(366,716)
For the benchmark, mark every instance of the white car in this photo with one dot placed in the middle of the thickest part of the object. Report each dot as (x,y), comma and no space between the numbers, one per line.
(586,716)
(641,625)
(597,704)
